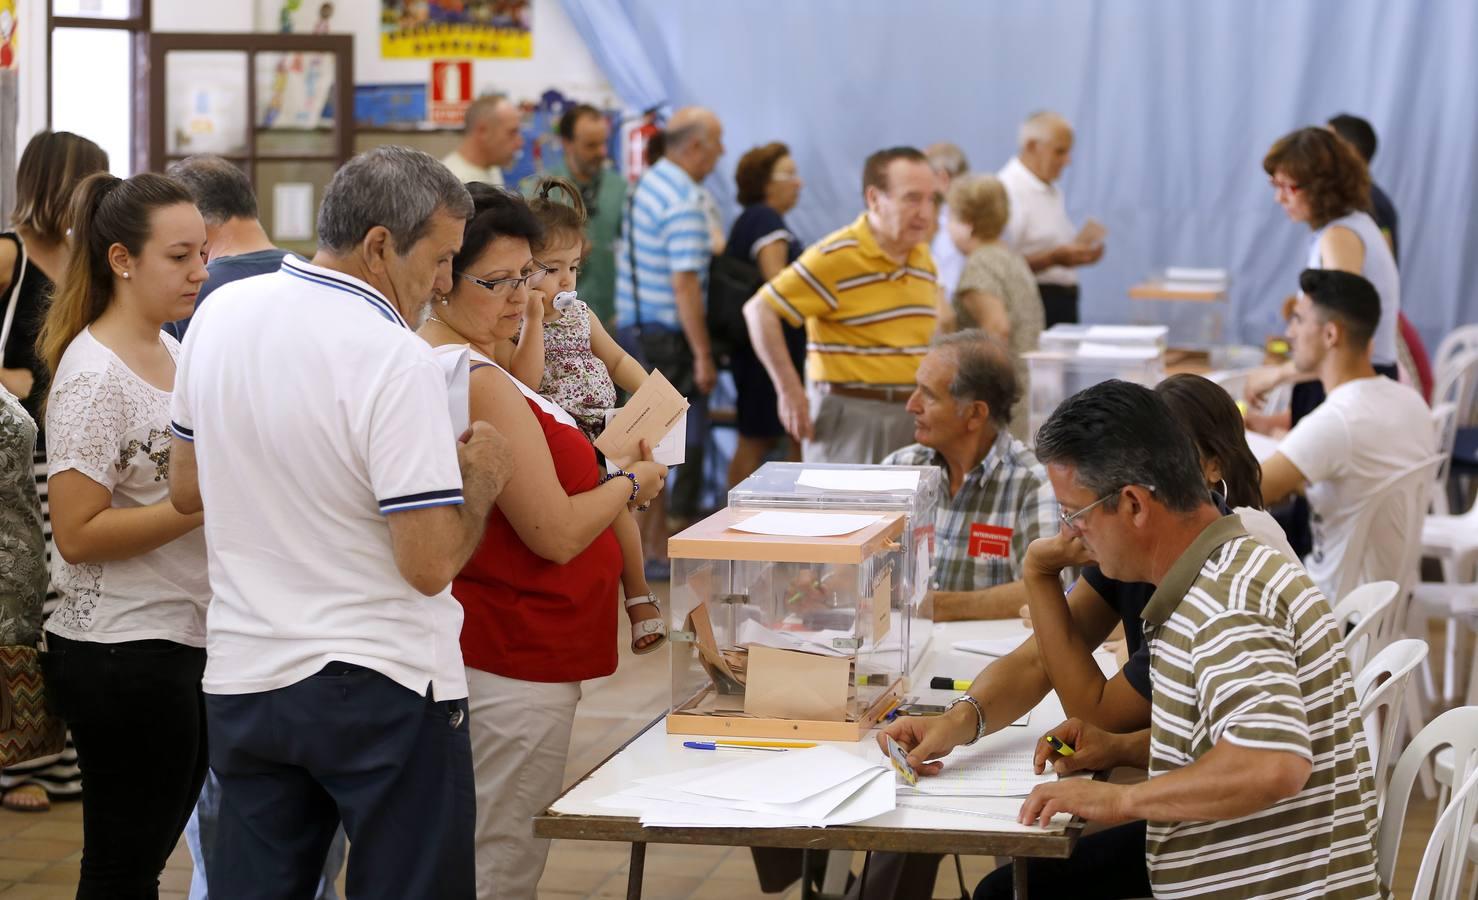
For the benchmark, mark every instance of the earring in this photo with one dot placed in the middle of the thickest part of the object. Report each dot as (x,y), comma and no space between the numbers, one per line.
(1223,489)
(125,274)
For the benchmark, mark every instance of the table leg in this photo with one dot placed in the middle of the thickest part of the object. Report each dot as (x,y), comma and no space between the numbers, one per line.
(1018,877)
(634,876)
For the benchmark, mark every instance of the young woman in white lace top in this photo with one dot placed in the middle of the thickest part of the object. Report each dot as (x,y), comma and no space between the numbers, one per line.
(127,641)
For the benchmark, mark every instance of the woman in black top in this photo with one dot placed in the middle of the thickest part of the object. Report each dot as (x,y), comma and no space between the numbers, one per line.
(768,188)
(32,256)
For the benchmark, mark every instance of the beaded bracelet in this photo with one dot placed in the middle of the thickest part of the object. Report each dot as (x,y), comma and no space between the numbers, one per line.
(635,485)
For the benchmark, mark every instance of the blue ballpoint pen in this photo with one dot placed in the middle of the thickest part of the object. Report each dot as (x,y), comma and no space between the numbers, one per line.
(710,745)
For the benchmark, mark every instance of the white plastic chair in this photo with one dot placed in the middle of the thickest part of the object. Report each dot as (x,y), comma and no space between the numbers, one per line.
(1408,488)
(1455,384)
(1460,340)
(1442,864)
(1364,618)
(1381,687)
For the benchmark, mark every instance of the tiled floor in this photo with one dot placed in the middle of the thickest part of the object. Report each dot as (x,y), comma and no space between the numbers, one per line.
(39,854)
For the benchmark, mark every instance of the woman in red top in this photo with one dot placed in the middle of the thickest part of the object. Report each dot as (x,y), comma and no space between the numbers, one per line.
(540,593)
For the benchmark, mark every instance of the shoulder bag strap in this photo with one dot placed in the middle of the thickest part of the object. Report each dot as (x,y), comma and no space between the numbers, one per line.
(13,300)
(631,251)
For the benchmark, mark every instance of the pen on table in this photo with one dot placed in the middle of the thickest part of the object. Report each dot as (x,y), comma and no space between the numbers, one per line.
(940,683)
(892,710)
(709,745)
(748,745)
(1058,745)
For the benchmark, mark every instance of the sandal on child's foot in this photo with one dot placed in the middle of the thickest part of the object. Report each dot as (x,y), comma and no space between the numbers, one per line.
(642,629)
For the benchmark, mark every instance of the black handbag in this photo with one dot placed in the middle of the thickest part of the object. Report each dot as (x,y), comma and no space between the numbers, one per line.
(731,282)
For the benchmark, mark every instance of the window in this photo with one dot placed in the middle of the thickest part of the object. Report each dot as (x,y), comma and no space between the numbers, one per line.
(92,46)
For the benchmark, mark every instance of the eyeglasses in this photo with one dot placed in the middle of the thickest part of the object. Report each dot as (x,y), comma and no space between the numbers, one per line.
(504,287)
(1070,522)
(1285,186)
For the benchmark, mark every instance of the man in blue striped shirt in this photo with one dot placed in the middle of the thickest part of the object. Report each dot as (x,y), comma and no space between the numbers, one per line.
(659,305)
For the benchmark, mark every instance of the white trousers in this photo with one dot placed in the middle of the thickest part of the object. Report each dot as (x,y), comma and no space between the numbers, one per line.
(520,738)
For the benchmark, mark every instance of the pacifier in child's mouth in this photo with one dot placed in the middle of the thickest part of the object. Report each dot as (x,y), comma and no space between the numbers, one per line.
(564,300)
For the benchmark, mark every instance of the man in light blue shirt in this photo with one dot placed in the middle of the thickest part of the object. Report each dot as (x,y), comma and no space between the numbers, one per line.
(659,300)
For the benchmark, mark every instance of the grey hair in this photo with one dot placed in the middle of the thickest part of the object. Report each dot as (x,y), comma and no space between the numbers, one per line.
(984,371)
(394,187)
(221,190)
(947,158)
(1041,125)
(481,110)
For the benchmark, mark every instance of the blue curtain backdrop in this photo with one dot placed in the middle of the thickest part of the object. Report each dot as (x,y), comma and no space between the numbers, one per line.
(1174,101)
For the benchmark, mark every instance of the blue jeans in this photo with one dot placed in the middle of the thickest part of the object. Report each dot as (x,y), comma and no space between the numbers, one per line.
(200,836)
(345,744)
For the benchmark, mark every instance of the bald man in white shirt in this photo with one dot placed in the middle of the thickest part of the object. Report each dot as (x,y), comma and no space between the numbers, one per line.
(1038,227)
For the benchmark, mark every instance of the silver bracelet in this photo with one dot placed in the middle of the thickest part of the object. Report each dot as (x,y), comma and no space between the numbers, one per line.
(979,715)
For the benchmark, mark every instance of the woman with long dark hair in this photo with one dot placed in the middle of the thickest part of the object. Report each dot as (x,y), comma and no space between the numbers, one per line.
(33,256)
(127,642)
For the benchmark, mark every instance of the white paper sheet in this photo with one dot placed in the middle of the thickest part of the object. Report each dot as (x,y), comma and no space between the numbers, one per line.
(1187,273)
(783,777)
(1124,334)
(992,647)
(799,524)
(988,774)
(1262,446)
(877,479)
(814,787)
(752,632)
(1102,350)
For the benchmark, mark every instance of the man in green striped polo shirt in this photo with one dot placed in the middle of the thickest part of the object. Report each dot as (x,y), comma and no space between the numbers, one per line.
(1259,780)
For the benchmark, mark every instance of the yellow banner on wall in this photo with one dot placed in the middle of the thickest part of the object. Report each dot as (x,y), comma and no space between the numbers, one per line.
(470,29)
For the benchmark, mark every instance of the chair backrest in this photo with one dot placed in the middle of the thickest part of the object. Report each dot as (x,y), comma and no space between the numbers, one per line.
(1444,422)
(1458,729)
(1410,488)
(1457,383)
(1463,339)
(1441,873)
(1381,687)
(1362,617)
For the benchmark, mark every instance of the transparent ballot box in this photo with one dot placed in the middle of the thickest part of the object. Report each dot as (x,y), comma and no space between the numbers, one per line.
(1190,303)
(794,634)
(1056,375)
(915,491)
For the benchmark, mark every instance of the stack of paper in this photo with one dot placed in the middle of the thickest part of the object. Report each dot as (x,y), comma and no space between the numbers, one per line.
(809,788)
(991,646)
(983,774)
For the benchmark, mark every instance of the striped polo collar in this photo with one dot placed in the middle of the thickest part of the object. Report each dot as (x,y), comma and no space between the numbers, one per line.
(919,261)
(1185,570)
(339,281)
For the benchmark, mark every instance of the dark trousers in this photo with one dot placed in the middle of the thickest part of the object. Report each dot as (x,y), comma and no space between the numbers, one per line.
(1059,302)
(346,742)
(667,351)
(1106,865)
(137,721)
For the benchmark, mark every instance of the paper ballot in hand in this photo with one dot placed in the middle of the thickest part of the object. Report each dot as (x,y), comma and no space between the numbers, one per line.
(653,414)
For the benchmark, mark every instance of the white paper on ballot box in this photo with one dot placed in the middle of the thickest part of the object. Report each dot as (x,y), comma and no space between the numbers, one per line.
(670,451)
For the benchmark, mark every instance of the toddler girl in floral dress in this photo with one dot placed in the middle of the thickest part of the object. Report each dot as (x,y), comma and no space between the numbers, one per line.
(565,354)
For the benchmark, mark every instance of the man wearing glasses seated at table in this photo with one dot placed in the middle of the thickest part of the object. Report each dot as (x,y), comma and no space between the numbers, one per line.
(1254,735)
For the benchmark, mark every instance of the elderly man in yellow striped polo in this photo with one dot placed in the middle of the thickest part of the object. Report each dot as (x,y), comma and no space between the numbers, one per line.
(868,298)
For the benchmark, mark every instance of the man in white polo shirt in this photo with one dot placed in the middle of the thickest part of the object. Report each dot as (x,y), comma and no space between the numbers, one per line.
(315,431)
(1038,227)
(1349,453)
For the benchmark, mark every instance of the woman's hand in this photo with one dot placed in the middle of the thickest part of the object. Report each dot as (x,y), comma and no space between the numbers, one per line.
(1094,749)
(650,476)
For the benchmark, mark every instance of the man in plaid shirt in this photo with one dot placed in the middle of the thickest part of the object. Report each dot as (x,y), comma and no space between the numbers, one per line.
(999,497)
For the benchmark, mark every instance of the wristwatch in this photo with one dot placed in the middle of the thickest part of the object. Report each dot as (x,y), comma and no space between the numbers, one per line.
(979,715)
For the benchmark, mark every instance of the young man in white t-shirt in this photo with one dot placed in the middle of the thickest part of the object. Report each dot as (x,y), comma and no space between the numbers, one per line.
(1367,433)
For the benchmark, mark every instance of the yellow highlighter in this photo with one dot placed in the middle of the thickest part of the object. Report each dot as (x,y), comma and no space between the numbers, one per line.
(785,745)
(1058,745)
